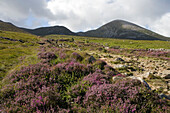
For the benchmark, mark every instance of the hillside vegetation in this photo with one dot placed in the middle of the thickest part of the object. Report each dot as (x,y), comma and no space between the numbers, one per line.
(70,74)
(5,26)
(14,48)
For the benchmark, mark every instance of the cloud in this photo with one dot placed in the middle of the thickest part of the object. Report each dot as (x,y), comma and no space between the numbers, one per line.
(82,15)
(89,14)
(162,25)
(18,11)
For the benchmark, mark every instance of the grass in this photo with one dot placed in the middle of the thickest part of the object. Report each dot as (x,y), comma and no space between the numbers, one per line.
(12,53)
(110,42)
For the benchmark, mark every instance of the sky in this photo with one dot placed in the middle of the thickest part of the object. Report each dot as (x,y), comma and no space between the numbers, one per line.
(83,15)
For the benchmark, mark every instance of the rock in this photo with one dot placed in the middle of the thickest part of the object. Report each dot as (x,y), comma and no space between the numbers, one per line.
(167,76)
(155,72)
(140,79)
(79,49)
(121,66)
(115,78)
(132,77)
(106,47)
(164,96)
(119,59)
(91,59)
(146,75)
(128,74)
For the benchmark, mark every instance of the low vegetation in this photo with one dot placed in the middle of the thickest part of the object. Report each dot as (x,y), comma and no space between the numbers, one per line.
(14,48)
(58,74)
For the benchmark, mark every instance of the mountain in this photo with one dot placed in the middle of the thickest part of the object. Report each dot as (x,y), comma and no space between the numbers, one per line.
(60,30)
(123,30)
(116,29)
(6,26)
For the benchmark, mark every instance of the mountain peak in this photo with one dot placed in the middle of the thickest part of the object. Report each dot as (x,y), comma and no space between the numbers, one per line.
(115,29)
(124,30)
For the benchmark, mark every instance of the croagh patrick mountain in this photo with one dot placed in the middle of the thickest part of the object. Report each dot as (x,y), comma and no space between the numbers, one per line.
(119,29)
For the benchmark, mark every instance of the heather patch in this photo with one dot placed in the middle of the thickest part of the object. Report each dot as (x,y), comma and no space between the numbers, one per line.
(65,82)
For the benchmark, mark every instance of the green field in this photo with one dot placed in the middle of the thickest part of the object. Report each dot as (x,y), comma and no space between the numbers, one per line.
(123,43)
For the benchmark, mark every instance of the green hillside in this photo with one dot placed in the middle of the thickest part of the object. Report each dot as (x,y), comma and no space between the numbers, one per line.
(14,48)
(123,43)
(5,26)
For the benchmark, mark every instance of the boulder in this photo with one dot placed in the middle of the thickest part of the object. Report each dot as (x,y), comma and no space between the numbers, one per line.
(140,79)
(167,76)
(119,59)
(91,59)
(115,78)
(121,66)
(164,96)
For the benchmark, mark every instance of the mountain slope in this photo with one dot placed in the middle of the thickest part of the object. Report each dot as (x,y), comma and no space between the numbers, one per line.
(116,29)
(123,30)
(60,30)
(6,26)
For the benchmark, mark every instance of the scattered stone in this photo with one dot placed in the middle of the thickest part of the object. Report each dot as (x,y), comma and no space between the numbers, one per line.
(133,77)
(167,76)
(164,96)
(91,59)
(140,79)
(121,66)
(115,78)
(106,47)
(119,59)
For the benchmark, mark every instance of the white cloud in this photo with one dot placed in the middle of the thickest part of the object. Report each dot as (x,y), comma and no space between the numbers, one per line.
(162,25)
(82,15)
(88,14)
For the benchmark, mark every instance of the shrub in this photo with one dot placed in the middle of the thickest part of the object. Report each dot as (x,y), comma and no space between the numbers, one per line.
(124,96)
(77,57)
(99,64)
(47,55)
(70,73)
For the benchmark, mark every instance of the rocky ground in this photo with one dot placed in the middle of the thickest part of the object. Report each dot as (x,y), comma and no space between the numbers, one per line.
(155,71)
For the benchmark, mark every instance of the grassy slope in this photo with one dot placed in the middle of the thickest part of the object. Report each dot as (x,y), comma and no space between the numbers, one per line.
(13,52)
(10,27)
(130,44)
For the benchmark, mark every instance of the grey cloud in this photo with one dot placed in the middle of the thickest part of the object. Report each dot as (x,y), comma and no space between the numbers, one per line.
(17,11)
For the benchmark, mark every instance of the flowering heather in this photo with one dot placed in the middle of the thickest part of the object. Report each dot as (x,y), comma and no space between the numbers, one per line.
(47,55)
(142,53)
(77,57)
(124,96)
(62,55)
(71,86)
(35,92)
(32,70)
(97,78)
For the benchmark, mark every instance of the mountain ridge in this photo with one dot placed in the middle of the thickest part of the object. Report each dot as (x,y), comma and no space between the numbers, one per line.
(119,29)
(7,26)
(42,31)
(123,30)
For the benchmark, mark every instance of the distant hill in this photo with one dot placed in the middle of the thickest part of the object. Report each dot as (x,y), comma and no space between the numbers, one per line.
(60,30)
(123,30)
(6,26)
(116,29)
